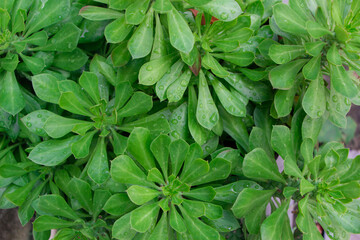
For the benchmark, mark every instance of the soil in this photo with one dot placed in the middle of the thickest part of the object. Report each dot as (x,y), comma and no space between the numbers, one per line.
(355,114)
(10,226)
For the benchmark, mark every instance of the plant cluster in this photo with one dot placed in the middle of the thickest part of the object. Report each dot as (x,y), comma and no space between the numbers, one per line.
(164,119)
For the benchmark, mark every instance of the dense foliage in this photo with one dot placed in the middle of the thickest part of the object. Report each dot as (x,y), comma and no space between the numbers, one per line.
(163,119)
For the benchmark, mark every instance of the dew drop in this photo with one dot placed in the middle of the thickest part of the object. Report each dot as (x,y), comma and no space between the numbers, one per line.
(174,121)
(224,16)
(214,118)
(319,113)
(149,68)
(335,98)
(28,124)
(161,87)
(39,116)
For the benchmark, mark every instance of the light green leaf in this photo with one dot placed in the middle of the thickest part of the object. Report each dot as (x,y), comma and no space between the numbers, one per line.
(281,54)
(258,165)
(139,103)
(151,72)
(52,152)
(135,12)
(312,69)
(206,113)
(177,89)
(241,59)
(162,6)
(316,30)
(119,204)
(305,187)
(333,55)
(281,141)
(161,229)
(205,194)
(141,42)
(341,81)
(181,36)
(81,191)
(98,169)
(124,170)
(144,217)
(90,83)
(52,12)
(176,221)
(122,228)
(249,199)
(139,146)
(219,169)
(163,84)
(314,101)
(283,76)
(11,97)
(178,150)
(65,40)
(209,62)
(225,10)
(94,13)
(272,227)
(288,20)
(70,102)
(54,205)
(46,223)
(314,48)
(34,64)
(199,168)
(46,87)
(57,126)
(140,195)
(160,149)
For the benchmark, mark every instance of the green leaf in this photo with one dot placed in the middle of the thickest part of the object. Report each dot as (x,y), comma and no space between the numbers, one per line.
(52,152)
(139,146)
(312,69)
(119,204)
(45,223)
(81,191)
(241,59)
(283,76)
(219,169)
(333,55)
(46,87)
(19,196)
(38,39)
(231,103)
(206,113)
(141,42)
(199,168)
(341,81)
(105,69)
(198,229)
(161,229)
(70,102)
(163,84)
(162,6)
(316,30)
(99,200)
(90,83)
(181,36)
(140,195)
(139,103)
(178,150)
(160,149)
(209,62)
(281,54)
(199,133)
(281,141)
(123,91)
(98,13)
(314,101)
(258,165)
(272,227)
(288,20)
(314,48)
(122,228)
(118,142)
(249,199)
(124,170)
(135,12)
(120,56)
(291,168)
(305,187)
(155,175)
(98,169)
(225,10)
(151,72)
(353,174)
(57,126)
(51,13)
(118,30)
(65,40)
(11,97)
(34,64)
(70,61)
(176,221)
(349,190)
(283,100)
(213,211)
(177,89)
(143,217)
(54,205)
(205,194)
